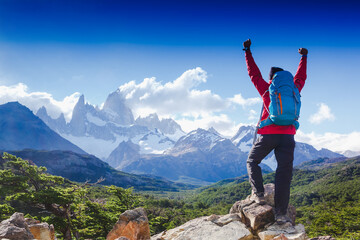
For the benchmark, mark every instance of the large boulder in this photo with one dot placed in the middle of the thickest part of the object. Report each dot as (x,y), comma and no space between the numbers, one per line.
(132,225)
(42,231)
(260,218)
(257,216)
(212,227)
(284,232)
(15,228)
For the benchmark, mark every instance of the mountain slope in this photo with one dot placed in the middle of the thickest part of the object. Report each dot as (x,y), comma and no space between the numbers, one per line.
(82,167)
(20,129)
(199,156)
(328,179)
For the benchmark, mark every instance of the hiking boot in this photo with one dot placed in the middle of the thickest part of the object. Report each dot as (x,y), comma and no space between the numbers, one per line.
(282,219)
(258,198)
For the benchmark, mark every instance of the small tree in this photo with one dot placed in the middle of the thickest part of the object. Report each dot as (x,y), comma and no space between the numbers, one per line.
(72,212)
(30,184)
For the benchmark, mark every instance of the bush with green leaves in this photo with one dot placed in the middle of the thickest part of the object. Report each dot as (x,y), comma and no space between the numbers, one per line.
(67,205)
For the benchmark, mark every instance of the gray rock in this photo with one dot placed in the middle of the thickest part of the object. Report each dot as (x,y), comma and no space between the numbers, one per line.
(15,228)
(287,230)
(270,194)
(257,216)
(227,227)
(323,238)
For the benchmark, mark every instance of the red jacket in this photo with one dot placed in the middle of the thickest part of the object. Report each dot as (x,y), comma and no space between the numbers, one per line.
(262,86)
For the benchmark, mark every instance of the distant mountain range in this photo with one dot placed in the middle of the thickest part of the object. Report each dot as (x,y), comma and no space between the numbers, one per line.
(101,131)
(25,135)
(200,155)
(205,156)
(149,145)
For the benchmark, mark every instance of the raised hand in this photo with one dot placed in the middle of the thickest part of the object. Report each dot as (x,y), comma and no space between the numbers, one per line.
(247,44)
(303,51)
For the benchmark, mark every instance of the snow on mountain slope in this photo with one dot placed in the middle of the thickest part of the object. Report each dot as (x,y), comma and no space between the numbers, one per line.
(100,131)
(153,142)
(244,137)
(196,139)
(98,147)
(95,120)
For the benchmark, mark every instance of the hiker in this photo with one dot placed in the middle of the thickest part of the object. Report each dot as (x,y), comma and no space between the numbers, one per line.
(279,138)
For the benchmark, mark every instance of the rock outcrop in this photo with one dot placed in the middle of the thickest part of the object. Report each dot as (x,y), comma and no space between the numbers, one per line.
(260,218)
(246,220)
(15,228)
(213,227)
(19,228)
(41,231)
(132,225)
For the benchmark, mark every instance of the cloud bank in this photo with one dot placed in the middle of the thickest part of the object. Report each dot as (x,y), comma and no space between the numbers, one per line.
(35,100)
(181,100)
(177,97)
(332,141)
(324,113)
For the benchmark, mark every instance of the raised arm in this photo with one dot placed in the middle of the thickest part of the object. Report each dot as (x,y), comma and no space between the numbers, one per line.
(253,70)
(300,75)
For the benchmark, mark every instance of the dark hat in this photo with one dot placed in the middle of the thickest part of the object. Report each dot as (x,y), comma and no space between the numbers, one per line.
(274,70)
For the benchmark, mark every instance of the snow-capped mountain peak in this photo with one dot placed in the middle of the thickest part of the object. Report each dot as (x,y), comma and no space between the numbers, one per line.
(244,137)
(200,139)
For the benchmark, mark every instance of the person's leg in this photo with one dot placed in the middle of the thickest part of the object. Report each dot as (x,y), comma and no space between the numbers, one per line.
(284,154)
(261,148)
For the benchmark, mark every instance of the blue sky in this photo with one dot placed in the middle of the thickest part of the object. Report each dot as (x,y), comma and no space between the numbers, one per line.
(56,50)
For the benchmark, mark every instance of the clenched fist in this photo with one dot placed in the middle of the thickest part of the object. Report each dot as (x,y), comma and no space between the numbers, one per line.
(303,51)
(247,44)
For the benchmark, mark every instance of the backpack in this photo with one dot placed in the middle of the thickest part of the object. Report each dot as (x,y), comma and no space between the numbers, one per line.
(284,107)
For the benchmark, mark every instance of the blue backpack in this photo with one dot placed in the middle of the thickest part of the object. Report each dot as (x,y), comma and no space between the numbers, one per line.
(284,108)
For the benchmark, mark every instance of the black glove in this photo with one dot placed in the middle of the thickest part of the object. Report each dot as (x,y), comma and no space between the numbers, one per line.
(303,51)
(247,45)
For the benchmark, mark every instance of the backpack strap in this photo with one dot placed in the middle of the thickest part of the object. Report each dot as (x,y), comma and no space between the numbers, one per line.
(266,121)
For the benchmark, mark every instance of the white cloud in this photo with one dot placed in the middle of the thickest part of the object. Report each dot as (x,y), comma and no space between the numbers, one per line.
(323,113)
(176,97)
(240,100)
(35,100)
(332,141)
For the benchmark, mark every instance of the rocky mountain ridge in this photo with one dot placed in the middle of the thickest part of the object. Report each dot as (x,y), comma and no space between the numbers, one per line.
(204,155)
(199,156)
(101,131)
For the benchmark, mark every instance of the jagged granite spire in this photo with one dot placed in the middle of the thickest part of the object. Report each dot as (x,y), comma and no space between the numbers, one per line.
(116,109)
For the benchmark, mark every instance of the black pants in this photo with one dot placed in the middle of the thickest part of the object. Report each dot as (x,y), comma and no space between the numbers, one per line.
(283,146)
